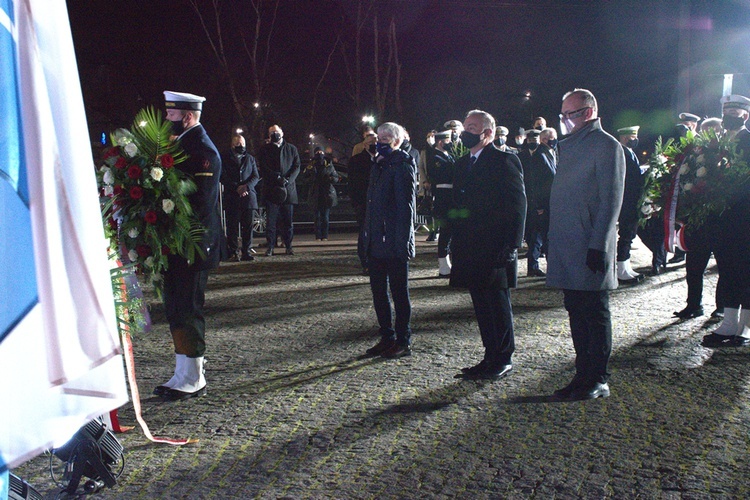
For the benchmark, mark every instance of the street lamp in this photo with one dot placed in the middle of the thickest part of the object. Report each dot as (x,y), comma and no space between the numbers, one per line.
(368,119)
(239,130)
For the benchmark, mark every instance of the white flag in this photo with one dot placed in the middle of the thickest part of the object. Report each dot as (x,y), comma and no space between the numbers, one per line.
(60,356)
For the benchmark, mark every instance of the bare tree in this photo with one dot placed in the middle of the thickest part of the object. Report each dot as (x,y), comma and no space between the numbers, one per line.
(322,78)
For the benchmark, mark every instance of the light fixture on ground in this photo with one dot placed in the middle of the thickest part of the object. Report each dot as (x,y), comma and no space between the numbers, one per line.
(94,452)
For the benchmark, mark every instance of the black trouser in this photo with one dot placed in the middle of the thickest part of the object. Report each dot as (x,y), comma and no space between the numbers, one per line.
(184,296)
(359,213)
(239,215)
(279,213)
(495,320)
(700,245)
(537,227)
(591,329)
(393,274)
(626,234)
(652,235)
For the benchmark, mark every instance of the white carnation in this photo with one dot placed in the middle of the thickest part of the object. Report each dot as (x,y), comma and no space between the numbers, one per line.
(133,256)
(688,186)
(662,160)
(131,149)
(108,191)
(167,205)
(133,232)
(149,261)
(684,169)
(701,172)
(157,173)
(108,177)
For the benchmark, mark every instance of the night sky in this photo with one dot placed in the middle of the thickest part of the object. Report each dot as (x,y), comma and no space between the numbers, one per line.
(645,61)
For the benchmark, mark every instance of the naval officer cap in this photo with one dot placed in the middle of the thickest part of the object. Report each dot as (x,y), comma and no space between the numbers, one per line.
(183,100)
(501,130)
(453,124)
(689,117)
(533,132)
(628,130)
(445,134)
(735,101)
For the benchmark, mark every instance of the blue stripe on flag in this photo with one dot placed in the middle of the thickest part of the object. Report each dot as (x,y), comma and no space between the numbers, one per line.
(17,270)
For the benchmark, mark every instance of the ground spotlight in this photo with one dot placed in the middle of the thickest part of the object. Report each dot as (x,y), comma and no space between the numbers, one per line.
(21,490)
(94,452)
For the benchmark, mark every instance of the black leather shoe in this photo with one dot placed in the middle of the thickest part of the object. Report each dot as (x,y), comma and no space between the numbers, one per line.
(160,390)
(632,281)
(247,258)
(289,251)
(536,273)
(716,340)
(564,393)
(269,252)
(476,368)
(718,313)
(589,391)
(398,350)
(175,395)
(380,347)
(488,373)
(689,312)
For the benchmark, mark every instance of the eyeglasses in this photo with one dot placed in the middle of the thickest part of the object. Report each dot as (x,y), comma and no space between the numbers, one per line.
(574,114)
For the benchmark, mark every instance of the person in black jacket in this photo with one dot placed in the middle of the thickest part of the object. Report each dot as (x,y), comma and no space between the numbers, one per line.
(322,195)
(279,165)
(538,176)
(388,239)
(630,212)
(439,168)
(488,215)
(239,176)
(184,281)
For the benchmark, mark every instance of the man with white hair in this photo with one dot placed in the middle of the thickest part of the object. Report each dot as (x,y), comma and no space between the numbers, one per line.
(487,219)
(388,239)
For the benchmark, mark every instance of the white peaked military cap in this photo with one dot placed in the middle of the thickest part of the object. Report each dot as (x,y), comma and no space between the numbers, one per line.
(453,124)
(183,100)
(735,101)
(689,117)
(501,130)
(628,130)
(445,134)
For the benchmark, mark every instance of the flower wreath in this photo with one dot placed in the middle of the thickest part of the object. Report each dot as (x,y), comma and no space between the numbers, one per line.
(145,208)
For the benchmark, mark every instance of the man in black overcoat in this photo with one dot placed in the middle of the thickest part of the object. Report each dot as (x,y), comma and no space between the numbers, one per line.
(487,217)
(279,165)
(239,176)
(184,281)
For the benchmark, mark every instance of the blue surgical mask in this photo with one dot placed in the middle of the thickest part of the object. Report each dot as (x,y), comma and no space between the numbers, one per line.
(383,149)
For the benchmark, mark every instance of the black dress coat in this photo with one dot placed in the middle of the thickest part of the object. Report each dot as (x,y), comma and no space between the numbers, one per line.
(204,166)
(487,215)
(237,170)
(278,164)
(630,211)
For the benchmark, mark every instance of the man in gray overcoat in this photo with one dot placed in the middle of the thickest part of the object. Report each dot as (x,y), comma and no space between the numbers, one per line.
(584,206)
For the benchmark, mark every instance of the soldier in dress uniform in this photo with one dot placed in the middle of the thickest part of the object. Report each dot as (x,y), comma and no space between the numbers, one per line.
(630,212)
(440,173)
(185,281)
(688,121)
(732,250)
(501,140)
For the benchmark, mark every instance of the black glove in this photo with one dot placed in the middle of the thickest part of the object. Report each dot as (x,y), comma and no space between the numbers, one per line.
(508,256)
(282,181)
(595,260)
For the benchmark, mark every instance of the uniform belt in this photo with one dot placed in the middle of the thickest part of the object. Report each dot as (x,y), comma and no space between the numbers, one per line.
(444,186)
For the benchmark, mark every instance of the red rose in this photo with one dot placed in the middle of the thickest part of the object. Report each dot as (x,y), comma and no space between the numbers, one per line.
(121,162)
(134,172)
(143,250)
(117,190)
(112,223)
(167,161)
(150,217)
(109,153)
(136,193)
(165,250)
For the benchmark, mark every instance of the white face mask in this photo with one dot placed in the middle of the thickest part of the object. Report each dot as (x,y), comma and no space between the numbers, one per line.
(566,126)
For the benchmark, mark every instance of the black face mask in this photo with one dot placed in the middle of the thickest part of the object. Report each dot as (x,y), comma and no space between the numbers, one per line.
(275,137)
(372,149)
(552,143)
(470,140)
(732,122)
(532,146)
(320,159)
(239,150)
(500,141)
(178,127)
(538,127)
(632,143)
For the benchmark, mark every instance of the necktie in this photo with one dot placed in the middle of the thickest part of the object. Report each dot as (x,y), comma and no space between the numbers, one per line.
(472,161)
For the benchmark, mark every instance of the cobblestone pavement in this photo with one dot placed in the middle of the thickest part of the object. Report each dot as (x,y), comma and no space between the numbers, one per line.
(292,412)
